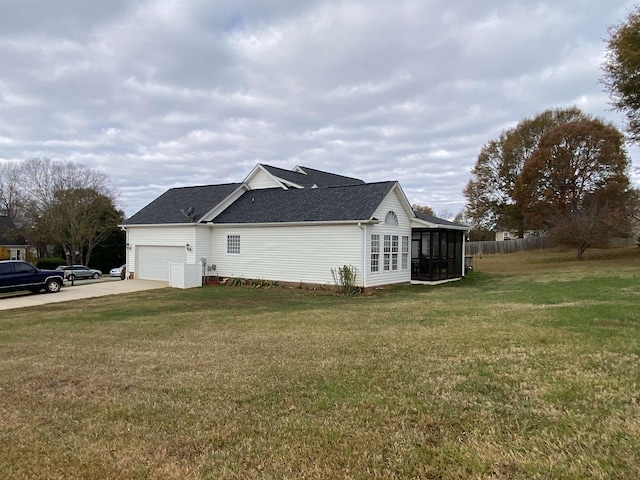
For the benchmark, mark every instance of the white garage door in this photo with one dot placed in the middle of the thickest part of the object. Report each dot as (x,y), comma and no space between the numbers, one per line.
(153,262)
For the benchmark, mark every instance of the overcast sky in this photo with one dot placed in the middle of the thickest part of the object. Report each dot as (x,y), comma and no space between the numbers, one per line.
(160,94)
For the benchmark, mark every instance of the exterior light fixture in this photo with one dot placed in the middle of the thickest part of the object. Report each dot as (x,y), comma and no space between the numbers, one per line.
(188,247)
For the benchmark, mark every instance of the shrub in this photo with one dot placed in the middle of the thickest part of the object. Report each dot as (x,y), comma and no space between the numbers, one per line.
(237,282)
(345,279)
(261,283)
(50,263)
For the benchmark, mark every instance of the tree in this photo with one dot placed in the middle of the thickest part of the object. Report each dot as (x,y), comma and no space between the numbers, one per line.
(589,226)
(110,252)
(622,70)
(489,193)
(475,234)
(11,195)
(575,186)
(79,219)
(49,187)
(423,209)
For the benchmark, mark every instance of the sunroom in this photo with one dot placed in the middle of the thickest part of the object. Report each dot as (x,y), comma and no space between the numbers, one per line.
(437,249)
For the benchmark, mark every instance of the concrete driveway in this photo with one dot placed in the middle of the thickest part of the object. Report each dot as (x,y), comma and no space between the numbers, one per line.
(78,291)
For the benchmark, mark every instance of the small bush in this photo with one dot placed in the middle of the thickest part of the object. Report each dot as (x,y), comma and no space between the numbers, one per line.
(50,263)
(345,279)
(237,282)
(261,283)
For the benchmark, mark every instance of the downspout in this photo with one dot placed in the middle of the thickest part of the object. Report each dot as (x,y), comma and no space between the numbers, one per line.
(363,260)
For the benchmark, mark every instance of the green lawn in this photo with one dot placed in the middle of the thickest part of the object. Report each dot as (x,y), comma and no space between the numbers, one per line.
(528,368)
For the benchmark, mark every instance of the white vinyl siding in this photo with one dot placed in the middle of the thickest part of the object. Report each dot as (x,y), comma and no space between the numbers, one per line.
(202,245)
(290,253)
(393,255)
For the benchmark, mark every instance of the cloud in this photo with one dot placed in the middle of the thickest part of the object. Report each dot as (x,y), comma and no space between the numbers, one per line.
(169,93)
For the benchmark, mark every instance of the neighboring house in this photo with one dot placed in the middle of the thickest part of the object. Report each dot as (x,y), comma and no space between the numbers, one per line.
(294,226)
(13,246)
(503,234)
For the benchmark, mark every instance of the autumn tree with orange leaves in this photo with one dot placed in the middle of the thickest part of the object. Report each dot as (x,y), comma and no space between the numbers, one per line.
(576,186)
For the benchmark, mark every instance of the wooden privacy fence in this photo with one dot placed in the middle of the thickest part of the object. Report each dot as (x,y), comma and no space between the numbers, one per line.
(507,246)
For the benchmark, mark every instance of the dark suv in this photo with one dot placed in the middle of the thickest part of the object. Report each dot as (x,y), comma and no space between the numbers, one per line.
(18,275)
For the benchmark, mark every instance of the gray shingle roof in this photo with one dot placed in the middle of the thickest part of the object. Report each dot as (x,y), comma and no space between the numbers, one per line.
(312,177)
(438,221)
(166,208)
(272,205)
(9,234)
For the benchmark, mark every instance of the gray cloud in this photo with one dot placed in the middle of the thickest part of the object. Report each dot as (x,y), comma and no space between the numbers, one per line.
(160,94)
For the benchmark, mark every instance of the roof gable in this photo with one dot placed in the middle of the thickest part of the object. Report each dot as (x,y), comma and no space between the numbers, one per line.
(174,205)
(305,177)
(261,177)
(9,234)
(327,179)
(275,205)
(287,177)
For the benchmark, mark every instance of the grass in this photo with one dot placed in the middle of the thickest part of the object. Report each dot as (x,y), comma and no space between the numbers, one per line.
(528,368)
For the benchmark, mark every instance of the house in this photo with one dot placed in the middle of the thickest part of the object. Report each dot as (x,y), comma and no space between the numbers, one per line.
(13,246)
(503,233)
(294,226)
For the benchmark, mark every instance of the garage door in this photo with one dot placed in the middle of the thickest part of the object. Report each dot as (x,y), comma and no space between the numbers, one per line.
(153,262)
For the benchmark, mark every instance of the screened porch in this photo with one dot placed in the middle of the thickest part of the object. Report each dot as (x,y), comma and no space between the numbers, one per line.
(436,254)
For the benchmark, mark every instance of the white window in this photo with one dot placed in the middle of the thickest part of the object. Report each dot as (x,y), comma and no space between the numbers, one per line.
(391,218)
(233,244)
(387,252)
(394,252)
(375,253)
(405,252)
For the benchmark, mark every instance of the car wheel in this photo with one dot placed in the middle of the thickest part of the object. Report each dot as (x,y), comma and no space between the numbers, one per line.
(96,275)
(71,277)
(53,286)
